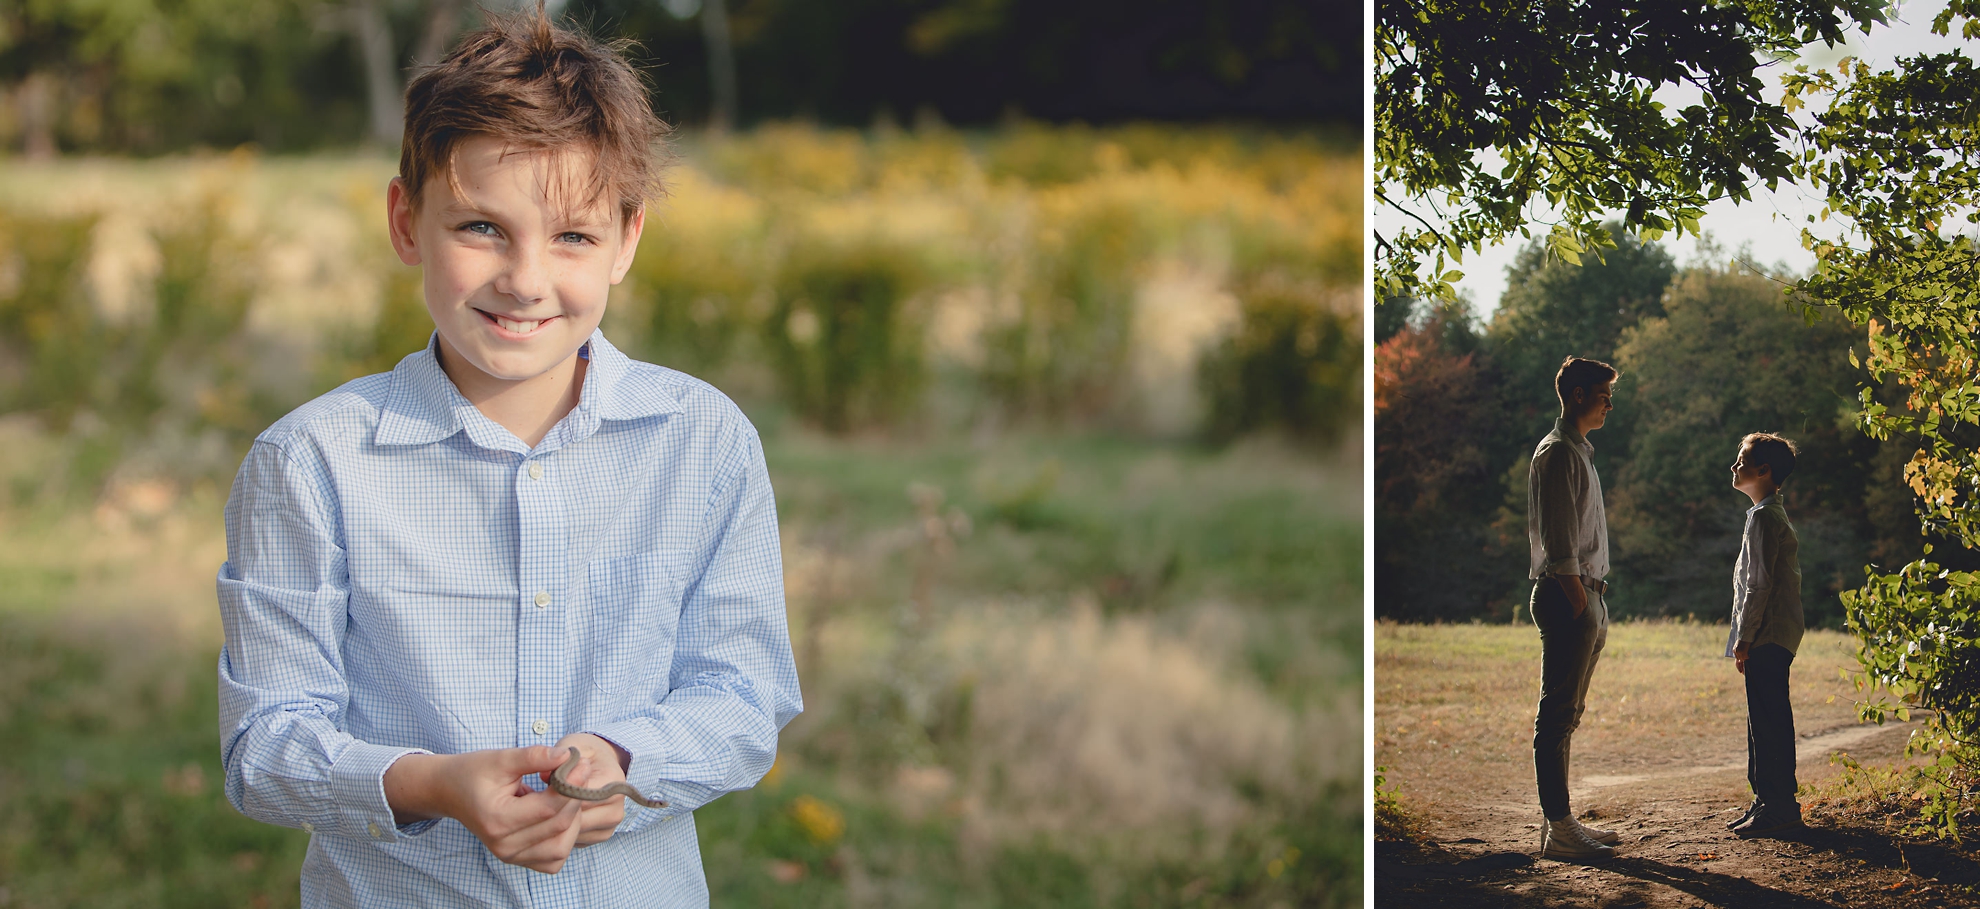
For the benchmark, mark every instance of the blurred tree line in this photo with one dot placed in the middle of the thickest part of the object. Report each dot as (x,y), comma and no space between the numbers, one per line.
(1707,354)
(149,76)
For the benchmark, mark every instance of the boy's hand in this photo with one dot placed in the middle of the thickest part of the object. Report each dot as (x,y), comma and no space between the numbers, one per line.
(599,762)
(1739,656)
(484,790)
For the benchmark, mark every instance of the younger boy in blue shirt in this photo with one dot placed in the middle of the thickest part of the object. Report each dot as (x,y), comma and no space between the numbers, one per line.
(1766,631)
(518,542)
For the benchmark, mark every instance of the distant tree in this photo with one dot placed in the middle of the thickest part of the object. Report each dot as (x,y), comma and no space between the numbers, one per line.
(1730,356)
(1391,316)
(1484,108)
(1433,409)
(152,75)
(1551,310)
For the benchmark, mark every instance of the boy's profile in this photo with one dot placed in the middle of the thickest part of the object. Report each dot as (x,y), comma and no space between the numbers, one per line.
(517,542)
(1766,631)
(1567,532)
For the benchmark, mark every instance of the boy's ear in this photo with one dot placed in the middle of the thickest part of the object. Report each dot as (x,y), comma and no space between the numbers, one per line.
(629,244)
(399,221)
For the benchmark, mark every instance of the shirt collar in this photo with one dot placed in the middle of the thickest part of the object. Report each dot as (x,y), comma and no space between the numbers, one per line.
(1769,500)
(1567,431)
(424,406)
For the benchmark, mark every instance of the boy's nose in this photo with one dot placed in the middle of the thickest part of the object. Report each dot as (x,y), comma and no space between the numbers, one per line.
(527,278)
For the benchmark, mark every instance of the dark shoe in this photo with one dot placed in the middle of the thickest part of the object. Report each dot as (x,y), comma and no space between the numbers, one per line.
(1771,822)
(1751,810)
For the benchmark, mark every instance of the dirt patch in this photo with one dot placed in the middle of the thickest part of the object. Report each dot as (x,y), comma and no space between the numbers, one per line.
(1668,786)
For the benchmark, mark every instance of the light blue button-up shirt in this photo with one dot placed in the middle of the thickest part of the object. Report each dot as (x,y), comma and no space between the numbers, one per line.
(404,575)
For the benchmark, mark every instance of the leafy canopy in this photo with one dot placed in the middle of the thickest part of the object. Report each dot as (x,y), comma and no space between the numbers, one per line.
(1895,153)
(1484,107)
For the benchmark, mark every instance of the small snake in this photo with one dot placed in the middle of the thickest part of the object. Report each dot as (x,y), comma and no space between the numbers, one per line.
(563,787)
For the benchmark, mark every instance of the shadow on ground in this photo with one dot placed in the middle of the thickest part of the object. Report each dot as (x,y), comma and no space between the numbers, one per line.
(1821,867)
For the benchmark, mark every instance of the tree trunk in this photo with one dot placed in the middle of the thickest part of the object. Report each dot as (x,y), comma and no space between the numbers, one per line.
(381,71)
(36,101)
(721,66)
(443,22)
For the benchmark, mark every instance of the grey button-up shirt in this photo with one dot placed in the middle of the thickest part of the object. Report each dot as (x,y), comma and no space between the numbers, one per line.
(1767,580)
(1565,525)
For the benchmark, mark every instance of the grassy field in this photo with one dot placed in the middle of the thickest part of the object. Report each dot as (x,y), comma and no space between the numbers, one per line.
(1454,705)
(1107,673)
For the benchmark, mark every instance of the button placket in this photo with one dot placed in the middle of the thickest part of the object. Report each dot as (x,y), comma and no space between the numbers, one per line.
(541,637)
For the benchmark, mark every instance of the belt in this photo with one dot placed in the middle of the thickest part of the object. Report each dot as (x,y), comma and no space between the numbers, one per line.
(1596,584)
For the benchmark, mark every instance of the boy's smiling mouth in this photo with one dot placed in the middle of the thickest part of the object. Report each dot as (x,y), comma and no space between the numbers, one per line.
(516,327)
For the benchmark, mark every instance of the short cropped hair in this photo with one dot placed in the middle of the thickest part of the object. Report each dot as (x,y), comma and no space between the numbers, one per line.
(1576,373)
(1777,452)
(535,87)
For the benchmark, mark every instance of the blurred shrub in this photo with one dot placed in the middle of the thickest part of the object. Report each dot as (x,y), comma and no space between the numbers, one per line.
(1065,354)
(50,340)
(175,308)
(1294,361)
(845,346)
(697,275)
(155,363)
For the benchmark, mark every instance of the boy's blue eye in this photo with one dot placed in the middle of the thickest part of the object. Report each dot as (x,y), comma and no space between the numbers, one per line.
(575,237)
(479,227)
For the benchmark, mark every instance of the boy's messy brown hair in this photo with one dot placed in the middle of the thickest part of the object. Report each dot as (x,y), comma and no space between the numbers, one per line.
(1774,451)
(535,87)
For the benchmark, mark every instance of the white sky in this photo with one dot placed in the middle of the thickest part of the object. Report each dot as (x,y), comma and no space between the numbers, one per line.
(1769,226)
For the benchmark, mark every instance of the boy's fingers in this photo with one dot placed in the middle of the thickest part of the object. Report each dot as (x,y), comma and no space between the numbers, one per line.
(548,839)
(524,761)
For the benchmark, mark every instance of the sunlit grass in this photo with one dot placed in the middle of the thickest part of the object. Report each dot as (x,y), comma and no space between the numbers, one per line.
(1454,704)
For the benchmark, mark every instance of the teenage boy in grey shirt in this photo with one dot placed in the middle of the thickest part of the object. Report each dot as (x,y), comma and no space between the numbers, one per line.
(1569,538)
(1766,632)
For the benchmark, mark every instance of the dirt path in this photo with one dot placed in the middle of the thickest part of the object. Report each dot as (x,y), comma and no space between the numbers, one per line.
(1676,852)
(1453,724)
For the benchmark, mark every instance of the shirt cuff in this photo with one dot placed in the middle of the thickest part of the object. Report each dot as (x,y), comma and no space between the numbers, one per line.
(640,740)
(1564,567)
(357,785)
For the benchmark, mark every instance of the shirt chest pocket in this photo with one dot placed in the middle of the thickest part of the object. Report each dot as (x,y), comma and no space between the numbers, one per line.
(632,610)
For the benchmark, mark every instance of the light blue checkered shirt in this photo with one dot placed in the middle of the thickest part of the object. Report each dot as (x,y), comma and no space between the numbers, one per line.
(404,575)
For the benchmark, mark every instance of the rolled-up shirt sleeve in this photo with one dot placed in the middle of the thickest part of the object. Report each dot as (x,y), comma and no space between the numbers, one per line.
(1558,476)
(284,596)
(734,681)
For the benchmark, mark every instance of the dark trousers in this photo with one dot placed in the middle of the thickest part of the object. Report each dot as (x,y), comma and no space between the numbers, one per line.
(1569,647)
(1769,726)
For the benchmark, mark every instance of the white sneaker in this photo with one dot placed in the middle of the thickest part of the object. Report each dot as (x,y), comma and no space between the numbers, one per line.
(1605,837)
(1566,841)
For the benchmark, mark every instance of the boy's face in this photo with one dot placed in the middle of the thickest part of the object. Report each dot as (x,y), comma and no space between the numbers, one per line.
(1749,475)
(1592,405)
(515,285)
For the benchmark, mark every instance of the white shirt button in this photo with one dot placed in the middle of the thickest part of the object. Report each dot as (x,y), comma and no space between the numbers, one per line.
(309,827)
(542,598)
(536,470)
(377,832)
(539,727)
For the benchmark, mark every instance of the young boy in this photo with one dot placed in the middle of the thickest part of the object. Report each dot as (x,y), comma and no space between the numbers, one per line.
(1766,630)
(517,543)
